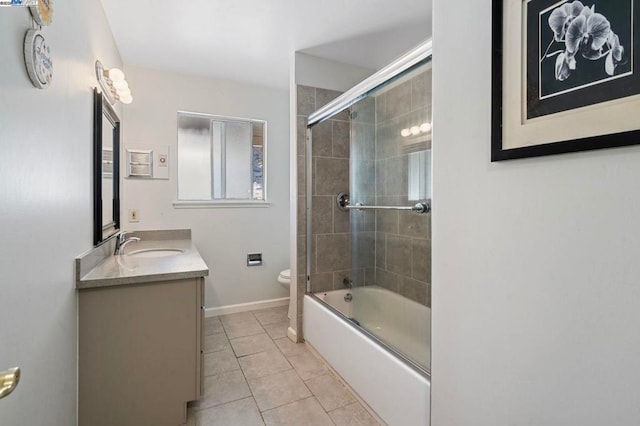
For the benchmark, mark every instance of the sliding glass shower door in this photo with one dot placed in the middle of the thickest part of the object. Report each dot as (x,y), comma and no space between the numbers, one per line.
(369,234)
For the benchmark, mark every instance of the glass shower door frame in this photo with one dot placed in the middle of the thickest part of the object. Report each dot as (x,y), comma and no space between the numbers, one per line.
(412,60)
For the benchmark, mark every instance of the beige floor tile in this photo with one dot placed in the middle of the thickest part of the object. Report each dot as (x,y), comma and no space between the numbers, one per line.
(237,413)
(351,415)
(216,342)
(330,392)
(220,362)
(277,330)
(239,317)
(278,389)
(252,344)
(307,412)
(289,348)
(307,365)
(222,388)
(212,325)
(271,316)
(263,364)
(241,328)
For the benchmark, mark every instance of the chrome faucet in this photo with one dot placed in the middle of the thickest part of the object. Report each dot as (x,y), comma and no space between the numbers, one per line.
(122,241)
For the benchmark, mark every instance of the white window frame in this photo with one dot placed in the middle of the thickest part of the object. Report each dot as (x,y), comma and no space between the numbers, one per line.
(224,203)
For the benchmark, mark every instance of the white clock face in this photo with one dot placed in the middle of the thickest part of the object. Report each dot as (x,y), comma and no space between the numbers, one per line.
(37,56)
(42,60)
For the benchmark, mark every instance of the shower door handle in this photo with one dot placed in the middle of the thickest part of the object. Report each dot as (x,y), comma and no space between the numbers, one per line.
(8,381)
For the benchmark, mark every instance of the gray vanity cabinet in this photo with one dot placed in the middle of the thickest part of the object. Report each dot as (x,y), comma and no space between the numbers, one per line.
(140,352)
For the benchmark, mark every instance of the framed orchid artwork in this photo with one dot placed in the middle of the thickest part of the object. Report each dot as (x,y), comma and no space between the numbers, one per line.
(566,76)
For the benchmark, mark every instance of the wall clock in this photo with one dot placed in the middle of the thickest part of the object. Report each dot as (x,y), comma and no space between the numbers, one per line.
(37,57)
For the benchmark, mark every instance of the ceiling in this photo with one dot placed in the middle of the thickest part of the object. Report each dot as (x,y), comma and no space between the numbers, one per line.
(253,40)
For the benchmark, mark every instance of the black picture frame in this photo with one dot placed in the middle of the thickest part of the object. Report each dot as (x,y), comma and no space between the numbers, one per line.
(608,139)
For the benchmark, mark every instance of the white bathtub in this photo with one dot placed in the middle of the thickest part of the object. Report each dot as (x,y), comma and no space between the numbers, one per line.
(396,392)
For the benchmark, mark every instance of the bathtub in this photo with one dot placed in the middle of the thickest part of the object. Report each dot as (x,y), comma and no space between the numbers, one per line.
(397,392)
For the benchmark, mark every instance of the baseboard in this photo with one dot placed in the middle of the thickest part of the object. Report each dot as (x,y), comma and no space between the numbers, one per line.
(244,307)
(292,335)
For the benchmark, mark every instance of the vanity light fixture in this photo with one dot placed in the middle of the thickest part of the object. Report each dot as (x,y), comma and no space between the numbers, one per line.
(415,130)
(114,86)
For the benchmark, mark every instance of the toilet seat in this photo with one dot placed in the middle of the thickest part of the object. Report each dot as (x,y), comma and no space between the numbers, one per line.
(285,277)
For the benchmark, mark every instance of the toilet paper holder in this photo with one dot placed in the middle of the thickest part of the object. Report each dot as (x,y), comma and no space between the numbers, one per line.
(254,259)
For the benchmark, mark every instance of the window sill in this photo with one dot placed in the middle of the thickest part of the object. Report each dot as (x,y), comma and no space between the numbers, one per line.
(221,204)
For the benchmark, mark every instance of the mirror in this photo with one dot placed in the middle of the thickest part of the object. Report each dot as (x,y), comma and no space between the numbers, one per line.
(106,169)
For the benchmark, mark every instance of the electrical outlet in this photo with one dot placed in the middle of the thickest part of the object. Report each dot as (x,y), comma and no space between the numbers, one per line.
(134,216)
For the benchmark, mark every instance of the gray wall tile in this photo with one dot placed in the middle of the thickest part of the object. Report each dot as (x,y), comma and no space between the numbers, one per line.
(321,139)
(301,134)
(301,215)
(399,254)
(387,221)
(387,135)
(399,99)
(331,176)
(322,282)
(322,214)
(324,96)
(421,90)
(302,253)
(334,252)
(340,138)
(306,102)
(363,138)
(381,107)
(421,259)
(364,243)
(386,279)
(341,219)
(302,179)
(396,175)
(414,225)
(413,289)
(339,277)
(365,111)
(381,250)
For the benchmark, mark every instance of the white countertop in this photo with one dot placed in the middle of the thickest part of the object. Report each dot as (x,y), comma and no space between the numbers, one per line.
(124,269)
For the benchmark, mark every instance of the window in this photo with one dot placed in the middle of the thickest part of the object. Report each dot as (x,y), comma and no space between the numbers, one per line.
(221,159)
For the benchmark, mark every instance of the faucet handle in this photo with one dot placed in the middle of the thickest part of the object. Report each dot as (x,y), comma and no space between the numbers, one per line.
(123,235)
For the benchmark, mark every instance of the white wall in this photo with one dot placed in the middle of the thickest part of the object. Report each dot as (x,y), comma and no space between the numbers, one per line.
(324,73)
(223,236)
(536,296)
(46,205)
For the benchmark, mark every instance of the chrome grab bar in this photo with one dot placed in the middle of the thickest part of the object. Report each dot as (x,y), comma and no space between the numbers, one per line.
(8,381)
(418,208)
(344,204)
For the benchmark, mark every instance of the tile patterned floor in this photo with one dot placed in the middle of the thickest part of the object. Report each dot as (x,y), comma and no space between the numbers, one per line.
(254,375)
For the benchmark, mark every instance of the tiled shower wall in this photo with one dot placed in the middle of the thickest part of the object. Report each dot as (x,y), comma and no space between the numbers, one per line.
(403,239)
(391,249)
(331,256)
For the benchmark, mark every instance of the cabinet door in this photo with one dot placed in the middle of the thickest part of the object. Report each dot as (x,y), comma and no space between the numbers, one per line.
(139,358)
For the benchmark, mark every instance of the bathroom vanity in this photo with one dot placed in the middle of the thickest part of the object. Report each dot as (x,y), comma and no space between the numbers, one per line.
(140,330)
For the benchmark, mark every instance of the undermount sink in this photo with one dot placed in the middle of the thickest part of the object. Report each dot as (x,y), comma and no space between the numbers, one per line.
(156,252)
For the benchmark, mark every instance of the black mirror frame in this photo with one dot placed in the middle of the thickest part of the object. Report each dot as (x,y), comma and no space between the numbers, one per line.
(100,108)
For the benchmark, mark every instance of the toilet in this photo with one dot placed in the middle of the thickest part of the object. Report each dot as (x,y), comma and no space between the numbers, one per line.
(284,278)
